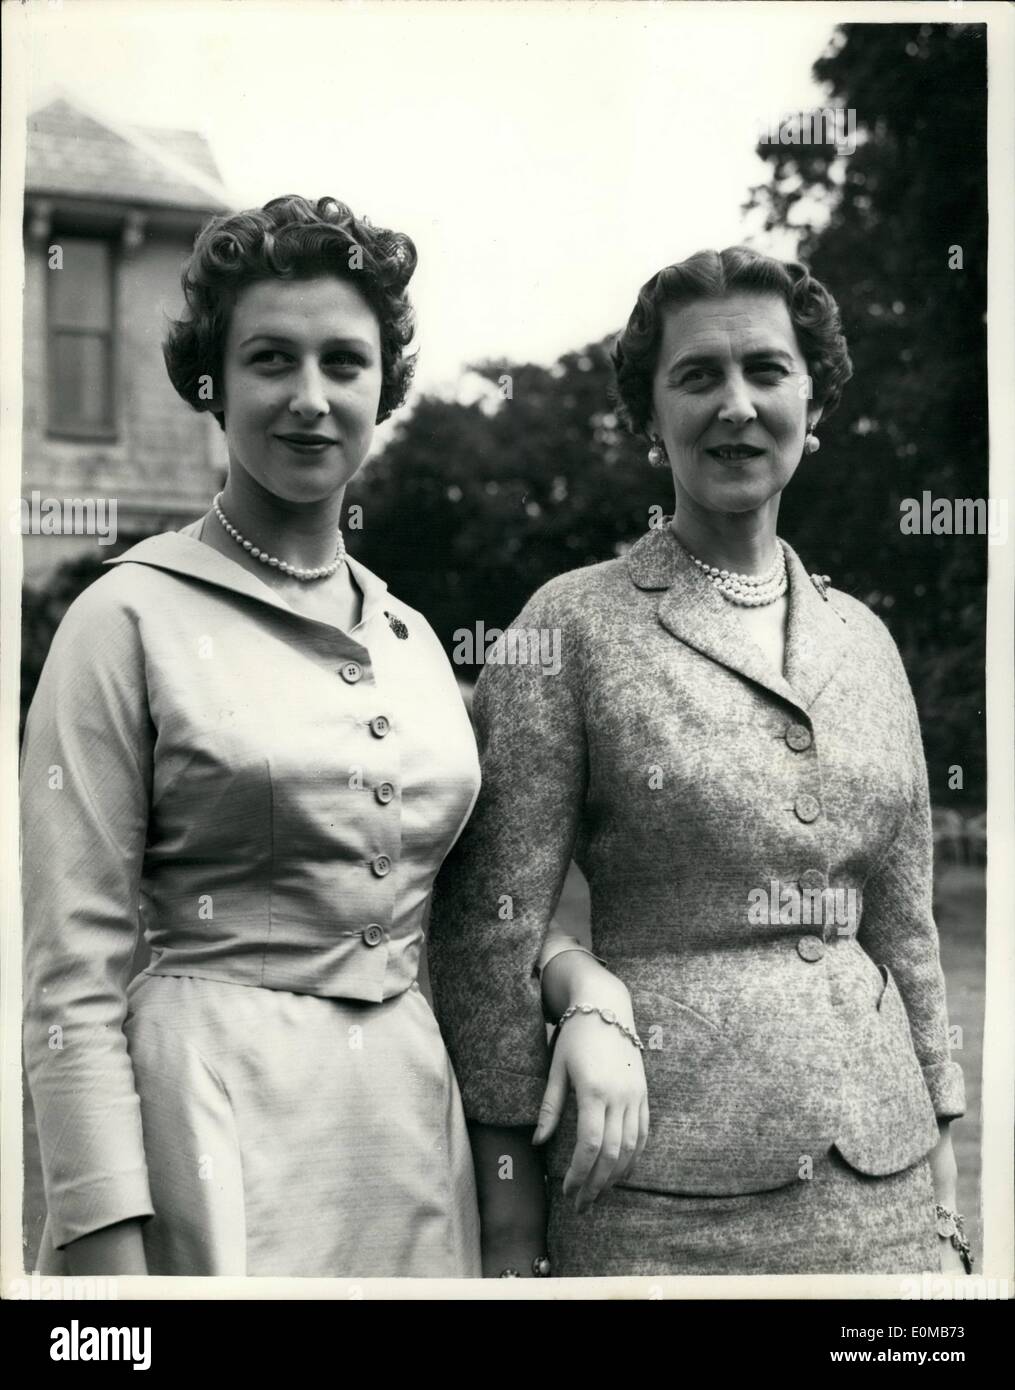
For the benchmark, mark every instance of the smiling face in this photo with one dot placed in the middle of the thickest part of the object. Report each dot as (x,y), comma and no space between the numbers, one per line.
(302,377)
(730,401)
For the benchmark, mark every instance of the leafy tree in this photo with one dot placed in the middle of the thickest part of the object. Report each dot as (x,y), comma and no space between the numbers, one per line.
(904,250)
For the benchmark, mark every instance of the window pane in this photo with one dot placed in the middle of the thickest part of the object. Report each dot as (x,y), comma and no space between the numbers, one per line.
(80,384)
(80,294)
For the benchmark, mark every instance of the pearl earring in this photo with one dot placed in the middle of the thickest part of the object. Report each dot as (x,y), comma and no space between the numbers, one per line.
(657,454)
(811,443)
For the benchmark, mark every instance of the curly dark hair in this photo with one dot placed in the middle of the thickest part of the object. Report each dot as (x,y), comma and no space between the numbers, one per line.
(293,239)
(711,275)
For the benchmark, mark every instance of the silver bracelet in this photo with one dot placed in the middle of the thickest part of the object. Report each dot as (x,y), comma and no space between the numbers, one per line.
(607,1015)
(951,1227)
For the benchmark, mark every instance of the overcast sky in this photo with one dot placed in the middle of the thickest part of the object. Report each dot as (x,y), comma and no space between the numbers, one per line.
(546,158)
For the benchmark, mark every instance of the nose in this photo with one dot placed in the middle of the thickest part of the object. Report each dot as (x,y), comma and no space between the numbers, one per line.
(737,408)
(310,399)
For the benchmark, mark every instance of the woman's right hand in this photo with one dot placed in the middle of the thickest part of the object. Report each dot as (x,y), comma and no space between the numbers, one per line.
(117,1249)
(607,1074)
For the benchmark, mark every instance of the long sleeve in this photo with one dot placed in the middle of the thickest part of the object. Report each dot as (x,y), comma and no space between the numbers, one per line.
(85,784)
(898,929)
(497,892)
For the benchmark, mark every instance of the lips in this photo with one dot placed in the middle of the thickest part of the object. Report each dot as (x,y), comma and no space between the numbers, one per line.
(307,443)
(734,453)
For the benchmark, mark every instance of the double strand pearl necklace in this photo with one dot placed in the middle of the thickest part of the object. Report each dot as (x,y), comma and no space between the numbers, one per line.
(749,590)
(324,572)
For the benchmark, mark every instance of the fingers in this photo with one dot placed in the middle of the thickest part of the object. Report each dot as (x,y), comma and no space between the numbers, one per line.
(606,1164)
(629,1145)
(589,1143)
(642,1128)
(552,1105)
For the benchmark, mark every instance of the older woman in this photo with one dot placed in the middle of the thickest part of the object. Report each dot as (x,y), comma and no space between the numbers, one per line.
(732,754)
(239,723)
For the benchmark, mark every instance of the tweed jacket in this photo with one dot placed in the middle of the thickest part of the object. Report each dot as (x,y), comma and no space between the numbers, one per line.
(759,858)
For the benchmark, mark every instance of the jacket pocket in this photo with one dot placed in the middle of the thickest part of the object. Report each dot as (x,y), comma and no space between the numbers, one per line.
(720,1119)
(888,1120)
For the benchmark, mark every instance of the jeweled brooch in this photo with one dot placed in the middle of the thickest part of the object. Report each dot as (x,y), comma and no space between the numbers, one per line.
(397,626)
(821,583)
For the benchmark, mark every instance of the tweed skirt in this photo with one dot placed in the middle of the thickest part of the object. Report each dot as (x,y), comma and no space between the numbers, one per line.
(838,1221)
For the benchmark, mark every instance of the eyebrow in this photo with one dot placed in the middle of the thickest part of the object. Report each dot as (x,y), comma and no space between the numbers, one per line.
(267,335)
(709,359)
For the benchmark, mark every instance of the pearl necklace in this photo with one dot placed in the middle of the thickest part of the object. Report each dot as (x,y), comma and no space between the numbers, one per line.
(749,590)
(324,572)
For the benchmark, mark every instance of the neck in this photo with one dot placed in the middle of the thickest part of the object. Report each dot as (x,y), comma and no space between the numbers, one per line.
(744,542)
(302,533)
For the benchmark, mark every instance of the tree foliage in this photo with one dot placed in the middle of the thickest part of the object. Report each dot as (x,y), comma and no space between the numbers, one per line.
(904,251)
(471,507)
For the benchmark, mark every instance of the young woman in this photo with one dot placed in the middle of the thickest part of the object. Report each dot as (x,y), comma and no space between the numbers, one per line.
(239,726)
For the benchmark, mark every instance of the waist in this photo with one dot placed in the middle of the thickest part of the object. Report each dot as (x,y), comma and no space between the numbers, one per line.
(371,963)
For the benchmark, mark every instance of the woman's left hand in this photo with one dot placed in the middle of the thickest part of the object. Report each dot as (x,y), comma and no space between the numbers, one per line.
(607,1075)
(944,1170)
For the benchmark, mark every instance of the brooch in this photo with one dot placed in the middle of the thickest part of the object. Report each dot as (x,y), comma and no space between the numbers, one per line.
(397,626)
(821,583)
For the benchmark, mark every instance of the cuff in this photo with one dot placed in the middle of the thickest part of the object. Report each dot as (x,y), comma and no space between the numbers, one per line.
(947,1089)
(88,1207)
(507,1098)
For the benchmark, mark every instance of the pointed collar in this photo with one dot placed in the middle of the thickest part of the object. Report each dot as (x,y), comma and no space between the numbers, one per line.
(691,608)
(181,552)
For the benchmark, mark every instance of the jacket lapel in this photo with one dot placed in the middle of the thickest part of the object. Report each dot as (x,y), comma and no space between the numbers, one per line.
(691,609)
(818,634)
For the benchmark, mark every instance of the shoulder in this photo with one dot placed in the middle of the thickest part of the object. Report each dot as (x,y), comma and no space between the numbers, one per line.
(106,619)
(577,596)
(872,642)
(108,604)
(863,621)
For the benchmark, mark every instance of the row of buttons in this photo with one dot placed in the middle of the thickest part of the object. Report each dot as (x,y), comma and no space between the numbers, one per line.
(799,738)
(807,808)
(380,726)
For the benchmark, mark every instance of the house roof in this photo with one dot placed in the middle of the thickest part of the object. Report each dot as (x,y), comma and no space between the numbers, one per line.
(75,152)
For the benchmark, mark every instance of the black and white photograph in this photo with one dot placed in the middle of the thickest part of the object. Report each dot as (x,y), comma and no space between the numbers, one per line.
(507,750)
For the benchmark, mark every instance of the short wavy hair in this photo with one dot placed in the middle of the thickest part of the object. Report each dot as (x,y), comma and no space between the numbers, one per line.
(712,275)
(290,238)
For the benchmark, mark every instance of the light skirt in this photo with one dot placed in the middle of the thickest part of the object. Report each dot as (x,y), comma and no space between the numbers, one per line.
(837,1222)
(292,1135)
